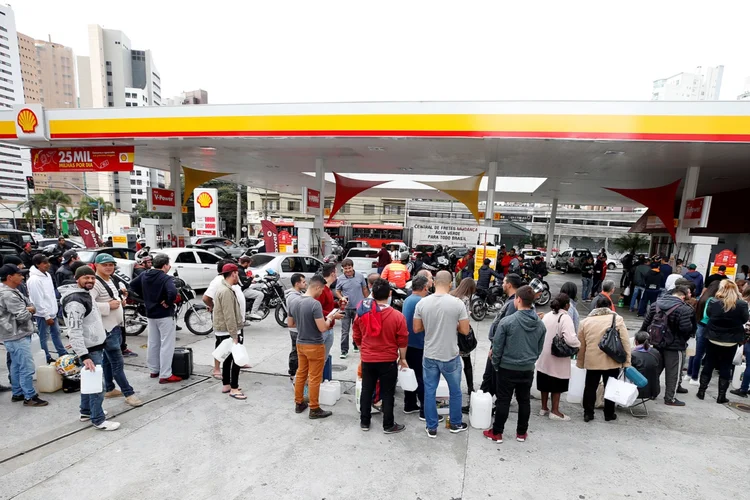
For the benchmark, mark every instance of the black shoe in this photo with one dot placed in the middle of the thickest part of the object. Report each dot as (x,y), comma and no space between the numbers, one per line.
(17,399)
(4,388)
(609,418)
(431,432)
(395,428)
(465,410)
(736,392)
(456,428)
(35,401)
(704,379)
(674,402)
(682,390)
(319,413)
(588,418)
(409,411)
(441,418)
(300,407)
(364,427)
(723,387)
(178,328)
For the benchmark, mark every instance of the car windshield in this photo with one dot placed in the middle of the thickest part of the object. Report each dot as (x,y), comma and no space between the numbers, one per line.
(362,252)
(87,256)
(260,259)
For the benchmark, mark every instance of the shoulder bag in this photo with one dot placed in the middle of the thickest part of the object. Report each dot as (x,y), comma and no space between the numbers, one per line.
(560,348)
(467,343)
(611,343)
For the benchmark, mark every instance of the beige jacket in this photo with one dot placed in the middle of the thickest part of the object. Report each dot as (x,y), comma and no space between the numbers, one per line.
(227,315)
(590,333)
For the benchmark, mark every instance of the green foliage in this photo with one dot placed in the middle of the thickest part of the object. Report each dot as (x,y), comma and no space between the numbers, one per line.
(631,243)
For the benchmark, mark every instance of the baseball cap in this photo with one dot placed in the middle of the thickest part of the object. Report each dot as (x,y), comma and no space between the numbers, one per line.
(11,269)
(229,268)
(70,254)
(692,266)
(105,258)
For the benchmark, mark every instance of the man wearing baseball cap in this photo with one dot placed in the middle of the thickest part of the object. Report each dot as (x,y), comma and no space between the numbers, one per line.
(16,328)
(42,295)
(64,273)
(696,277)
(228,320)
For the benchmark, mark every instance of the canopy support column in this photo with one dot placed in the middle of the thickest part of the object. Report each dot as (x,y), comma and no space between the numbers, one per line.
(176,186)
(489,209)
(320,181)
(551,231)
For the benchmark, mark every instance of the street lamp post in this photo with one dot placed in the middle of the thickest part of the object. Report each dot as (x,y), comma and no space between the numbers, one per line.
(98,203)
(13,212)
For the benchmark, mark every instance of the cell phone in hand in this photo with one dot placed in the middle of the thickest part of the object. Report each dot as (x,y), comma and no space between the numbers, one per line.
(332,314)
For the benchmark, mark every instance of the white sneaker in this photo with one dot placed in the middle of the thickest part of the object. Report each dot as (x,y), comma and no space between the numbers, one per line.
(564,418)
(108,426)
(687,378)
(86,418)
(694,382)
(256,317)
(544,413)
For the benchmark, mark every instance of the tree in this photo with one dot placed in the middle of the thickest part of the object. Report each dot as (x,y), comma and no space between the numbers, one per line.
(36,210)
(87,208)
(631,243)
(54,199)
(140,211)
(228,203)
(535,240)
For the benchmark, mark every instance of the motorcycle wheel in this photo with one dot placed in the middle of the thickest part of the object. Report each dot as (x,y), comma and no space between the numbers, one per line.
(478,310)
(198,321)
(544,298)
(264,311)
(134,323)
(280,315)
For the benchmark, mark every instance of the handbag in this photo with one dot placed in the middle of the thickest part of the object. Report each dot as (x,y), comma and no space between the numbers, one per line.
(620,392)
(560,348)
(467,343)
(611,343)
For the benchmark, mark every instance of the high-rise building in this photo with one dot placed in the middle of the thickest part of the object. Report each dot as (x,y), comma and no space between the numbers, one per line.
(199,96)
(32,89)
(116,75)
(143,178)
(702,85)
(14,161)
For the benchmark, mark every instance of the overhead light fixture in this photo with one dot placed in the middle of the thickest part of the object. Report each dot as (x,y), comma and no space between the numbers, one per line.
(616,153)
(566,183)
(208,148)
(581,173)
(376,148)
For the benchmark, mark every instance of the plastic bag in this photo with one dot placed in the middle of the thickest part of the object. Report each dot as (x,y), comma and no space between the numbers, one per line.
(611,343)
(737,361)
(620,392)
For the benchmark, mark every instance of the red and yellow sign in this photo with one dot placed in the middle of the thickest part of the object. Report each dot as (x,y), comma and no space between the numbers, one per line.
(204,200)
(27,121)
(91,159)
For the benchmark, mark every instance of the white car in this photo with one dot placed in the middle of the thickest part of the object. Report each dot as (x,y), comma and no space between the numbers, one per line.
(613,264)
(197,267)
(365,260)
(285,264)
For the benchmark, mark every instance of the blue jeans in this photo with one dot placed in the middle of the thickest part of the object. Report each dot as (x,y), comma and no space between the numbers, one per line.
(113,365)
(91,404)
(638,292)
(746,377)
(54,331)
(451,370)
(694,363)
(22,367)
(586,285)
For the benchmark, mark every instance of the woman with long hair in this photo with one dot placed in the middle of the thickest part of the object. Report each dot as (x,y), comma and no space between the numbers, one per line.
(745,386)
(695,362)
(466,289)
(553,372)
(727,316)
(571,290)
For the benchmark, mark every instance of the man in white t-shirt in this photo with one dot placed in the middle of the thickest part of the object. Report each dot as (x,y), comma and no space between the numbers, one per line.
(208,299)
(440,316)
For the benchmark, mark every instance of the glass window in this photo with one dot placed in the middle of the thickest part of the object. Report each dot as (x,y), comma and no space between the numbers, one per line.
(293,206)
(292,265)
(208,258)
(252,205)
(260,259)
(186,258)
(312,265)
(345,209)
(369,209)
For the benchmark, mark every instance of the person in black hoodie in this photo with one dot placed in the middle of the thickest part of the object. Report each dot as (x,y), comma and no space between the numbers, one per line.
(587,275)
(652,282)
(727,315)
(680,326)
(647,360)
(485,274)
(159,293)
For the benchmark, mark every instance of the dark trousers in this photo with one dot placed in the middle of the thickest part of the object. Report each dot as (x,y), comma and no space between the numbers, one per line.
(672,364)
(293,360)
(230,371)
(123,343)
(718,356)
(589,391)
(468,372)
(596,287)
(509,381)
(649,297)
(489,384)
(414,357)
(387,374)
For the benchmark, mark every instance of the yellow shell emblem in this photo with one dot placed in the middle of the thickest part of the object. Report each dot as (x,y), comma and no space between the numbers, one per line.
(204,200)
(27,120)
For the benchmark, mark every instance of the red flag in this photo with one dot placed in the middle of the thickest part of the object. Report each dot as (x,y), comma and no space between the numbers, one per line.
(87,232)
(270,235)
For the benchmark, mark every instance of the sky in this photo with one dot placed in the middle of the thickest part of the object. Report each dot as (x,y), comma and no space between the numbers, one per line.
(320,51)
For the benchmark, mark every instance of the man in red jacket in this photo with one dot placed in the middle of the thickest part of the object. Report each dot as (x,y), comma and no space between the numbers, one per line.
(381,334)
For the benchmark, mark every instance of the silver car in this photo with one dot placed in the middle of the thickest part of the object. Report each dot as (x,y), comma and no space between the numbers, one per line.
(286,264)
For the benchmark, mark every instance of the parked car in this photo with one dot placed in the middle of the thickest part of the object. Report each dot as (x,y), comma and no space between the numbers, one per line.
(530,253)
(20,238)
(235,250)
(426,249)
(285,264)
(197,267)
(255,248)
(50,242)
(570,260)
(355,244)
(124,257)
(9,248)
(217,250)
(613,264)
(365,260)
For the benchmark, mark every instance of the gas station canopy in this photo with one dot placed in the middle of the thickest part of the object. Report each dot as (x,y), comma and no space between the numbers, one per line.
(571,150)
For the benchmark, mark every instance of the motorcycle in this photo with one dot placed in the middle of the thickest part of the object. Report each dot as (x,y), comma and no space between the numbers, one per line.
(487,301)
(197,317)
(528,276)
(273,297)
(398,296)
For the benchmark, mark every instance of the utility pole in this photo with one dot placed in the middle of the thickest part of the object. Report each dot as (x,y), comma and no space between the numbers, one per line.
(238,222)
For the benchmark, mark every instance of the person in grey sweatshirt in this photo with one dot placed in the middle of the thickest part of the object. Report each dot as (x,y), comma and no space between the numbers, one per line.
(16,328)
(517,344)
(299,285)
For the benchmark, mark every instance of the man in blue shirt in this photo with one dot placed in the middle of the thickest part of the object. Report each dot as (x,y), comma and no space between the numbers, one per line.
(353,287)
(420,286)
(665,269)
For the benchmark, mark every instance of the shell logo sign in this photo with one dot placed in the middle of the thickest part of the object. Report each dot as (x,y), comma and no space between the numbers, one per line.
(27,120)
(204,200)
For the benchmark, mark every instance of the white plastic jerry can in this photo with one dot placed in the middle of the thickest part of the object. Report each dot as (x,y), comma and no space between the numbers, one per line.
(480,410)
(92,382)
(40,359)
(358,392)
(328,393)
(47,379)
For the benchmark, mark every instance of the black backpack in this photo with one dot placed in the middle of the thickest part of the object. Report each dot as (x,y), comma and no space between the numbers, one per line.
(659,331)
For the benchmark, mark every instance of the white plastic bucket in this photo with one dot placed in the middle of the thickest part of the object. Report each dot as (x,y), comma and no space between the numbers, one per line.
(92,382)
(407,379)
(223,350)
(239,353)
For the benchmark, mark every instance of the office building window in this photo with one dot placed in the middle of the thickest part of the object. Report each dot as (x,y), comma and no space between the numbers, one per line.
(345,208)
(369,209)
(252,205)
(293,206)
